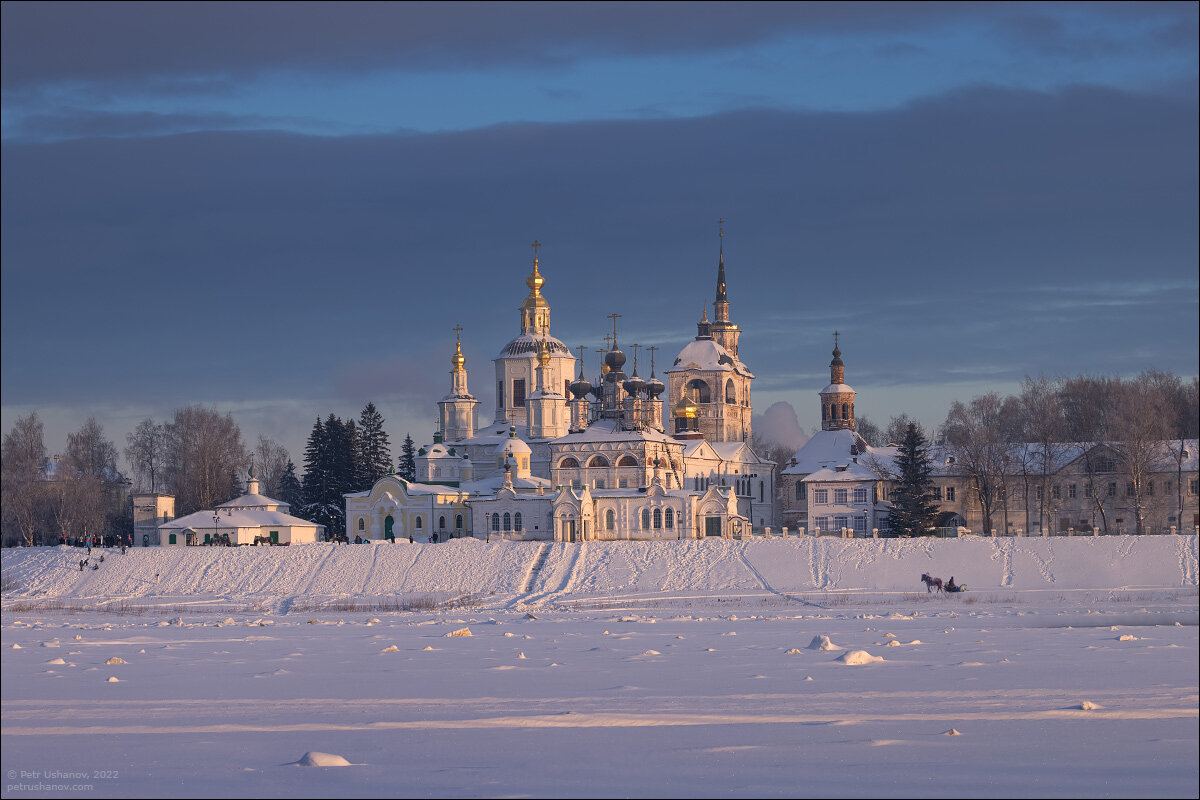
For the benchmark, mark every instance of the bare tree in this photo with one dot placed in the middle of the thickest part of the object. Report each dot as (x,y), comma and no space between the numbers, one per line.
(24,457)
(1043,448)
(1143,422)
(204,449)
(90,454)
(147,453)
(897,427)
(1088,404)
(271,460)
(869,431)
(974,438)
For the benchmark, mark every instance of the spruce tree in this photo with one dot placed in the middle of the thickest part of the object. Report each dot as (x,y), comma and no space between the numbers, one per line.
(406,467)
(290,490)
(374,450)
(914,510)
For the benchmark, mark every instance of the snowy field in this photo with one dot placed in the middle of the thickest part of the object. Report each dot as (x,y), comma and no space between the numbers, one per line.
(1070,668)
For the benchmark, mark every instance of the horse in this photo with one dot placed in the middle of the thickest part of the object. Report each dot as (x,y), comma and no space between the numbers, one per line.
(932,583)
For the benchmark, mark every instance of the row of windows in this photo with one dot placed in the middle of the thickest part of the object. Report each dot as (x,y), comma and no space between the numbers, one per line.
(831,411)
(659,518)
(858,523)
(598,462)
(511,522)
(518,392)
(700,392)
(840,496)
(418,523)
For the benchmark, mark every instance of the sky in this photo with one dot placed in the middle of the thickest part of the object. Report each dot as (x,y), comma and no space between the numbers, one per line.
(283,210)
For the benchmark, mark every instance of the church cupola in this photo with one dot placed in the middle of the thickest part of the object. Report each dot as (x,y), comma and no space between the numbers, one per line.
(837,399)
(723,332)
(457,409)
(535,311)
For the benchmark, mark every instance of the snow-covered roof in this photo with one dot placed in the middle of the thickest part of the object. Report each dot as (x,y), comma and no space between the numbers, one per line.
(849,472)
(526,346)
(827,449)
(607,430)
(706,354)
(237,518)
(254,501)
(836,388)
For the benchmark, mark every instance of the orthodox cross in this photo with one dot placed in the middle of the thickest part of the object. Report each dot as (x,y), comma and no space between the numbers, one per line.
(635,352)
(651,349)
(458,329)
(721,228)
(614,318)
(835,340)
(536,246)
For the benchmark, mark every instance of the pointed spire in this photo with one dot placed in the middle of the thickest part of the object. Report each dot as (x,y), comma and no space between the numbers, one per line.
(458,360)
(721,298)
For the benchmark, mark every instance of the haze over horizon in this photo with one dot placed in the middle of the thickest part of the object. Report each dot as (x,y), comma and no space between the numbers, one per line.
(282,210)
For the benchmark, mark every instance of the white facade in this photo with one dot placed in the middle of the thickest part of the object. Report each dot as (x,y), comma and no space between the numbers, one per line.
(248,519)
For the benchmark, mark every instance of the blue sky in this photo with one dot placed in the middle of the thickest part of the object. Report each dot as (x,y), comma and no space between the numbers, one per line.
(283,209)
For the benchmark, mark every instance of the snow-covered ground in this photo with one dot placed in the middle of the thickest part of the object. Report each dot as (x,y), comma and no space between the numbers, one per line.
(1070,668)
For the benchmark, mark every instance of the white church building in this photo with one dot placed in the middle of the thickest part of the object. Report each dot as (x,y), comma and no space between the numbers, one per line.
(568,459)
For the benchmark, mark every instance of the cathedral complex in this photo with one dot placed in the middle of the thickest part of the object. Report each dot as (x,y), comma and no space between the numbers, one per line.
(568,457)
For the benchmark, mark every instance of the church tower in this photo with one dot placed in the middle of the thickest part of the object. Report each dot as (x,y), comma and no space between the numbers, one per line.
(709,386)
(837,399)
(548,411)
(458,409)
(518,362)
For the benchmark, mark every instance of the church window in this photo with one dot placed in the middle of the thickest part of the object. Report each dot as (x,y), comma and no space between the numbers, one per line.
(645,518)
(499,394)
(417,524)
(495,522)
(442,523)
(657,518)
(518,394)
(845,411)
(362,524)
(507,521)
(601,484)
(458,522)
(670,518)
(517,521)
(730,393)
(598,462)
(627,461)
(700,391)
(820,496)
(840,495)
(610,519)
(860,494)
(568,463)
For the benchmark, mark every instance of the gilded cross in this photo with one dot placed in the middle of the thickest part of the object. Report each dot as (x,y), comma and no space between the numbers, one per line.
(458,332)
(536,246)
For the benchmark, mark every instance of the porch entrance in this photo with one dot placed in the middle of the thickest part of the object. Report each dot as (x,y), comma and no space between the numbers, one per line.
(712,526)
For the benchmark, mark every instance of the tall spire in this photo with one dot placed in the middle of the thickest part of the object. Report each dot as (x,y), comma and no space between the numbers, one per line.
(721,298)
(535,310)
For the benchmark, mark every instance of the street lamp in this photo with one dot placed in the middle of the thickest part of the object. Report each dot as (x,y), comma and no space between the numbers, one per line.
(215,521)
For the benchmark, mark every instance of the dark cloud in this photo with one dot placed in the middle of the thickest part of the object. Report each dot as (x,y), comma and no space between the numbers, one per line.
(85,123)
(981,233)
(114,41)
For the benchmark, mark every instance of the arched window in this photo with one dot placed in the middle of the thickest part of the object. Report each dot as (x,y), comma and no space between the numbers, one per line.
(495,522)
(418,524)
(670,515)
(598,461)
(645,518)
(627,461)
(568,463)
(507,521)
(658,518)
(442,523)
(845,411)
(610,520)
(699,391)
(362,524)
(730,393)
(517,521)
(458,520)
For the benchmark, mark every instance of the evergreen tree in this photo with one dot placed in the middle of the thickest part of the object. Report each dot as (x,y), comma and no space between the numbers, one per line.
(317,479)
(236,487)
(290,490)
(407,464)
(913,508)
(374,450)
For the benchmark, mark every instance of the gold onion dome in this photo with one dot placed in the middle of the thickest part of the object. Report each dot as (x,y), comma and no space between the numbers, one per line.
(458,359)
(685,408)
(535,282)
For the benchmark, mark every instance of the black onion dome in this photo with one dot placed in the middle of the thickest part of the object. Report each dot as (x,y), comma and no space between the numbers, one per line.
(615,359)
(654,387)
(633,384)
(580,387)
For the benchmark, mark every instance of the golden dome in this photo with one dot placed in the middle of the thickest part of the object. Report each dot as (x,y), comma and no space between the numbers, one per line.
(535,282)
(543,354)
(458,359)
(685,408)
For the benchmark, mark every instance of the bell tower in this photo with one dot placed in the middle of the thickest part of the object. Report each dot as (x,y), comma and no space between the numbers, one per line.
(837,399)
(458,408)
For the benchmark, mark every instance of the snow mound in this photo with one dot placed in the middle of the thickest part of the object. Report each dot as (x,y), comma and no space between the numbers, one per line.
(429,647)
(50,644)
(116,660)
(892,643)
(177,621)
(509,634)
(889,636)
(858,658)
(56,661)
(952,732)
(391,648)
(651,653)
(459,632)
(821,642)
(1088,705)
(113,679)
(521,656)
(315,759)
(16,646)
(792,652)
(1127,637)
